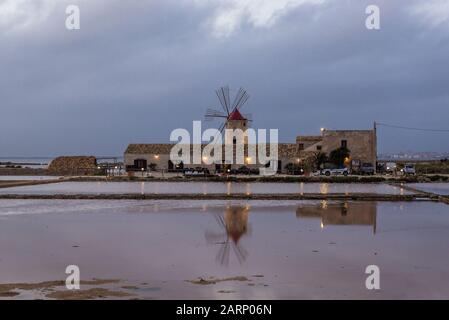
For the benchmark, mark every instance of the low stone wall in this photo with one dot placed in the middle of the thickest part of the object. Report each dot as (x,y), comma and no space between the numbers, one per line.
(23,172)
(78,165)
(223,196)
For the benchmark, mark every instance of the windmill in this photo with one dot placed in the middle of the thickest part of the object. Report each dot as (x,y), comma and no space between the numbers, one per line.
(231,112)
(234,225)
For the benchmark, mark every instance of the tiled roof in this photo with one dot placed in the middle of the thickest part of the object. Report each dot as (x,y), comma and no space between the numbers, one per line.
(236,115)
(309,138)
(284,149)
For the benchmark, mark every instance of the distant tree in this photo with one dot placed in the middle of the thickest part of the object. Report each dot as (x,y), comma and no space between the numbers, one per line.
(338,156)
(319,159)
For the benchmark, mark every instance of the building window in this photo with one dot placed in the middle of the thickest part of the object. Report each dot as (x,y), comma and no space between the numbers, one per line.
(344,143)
(318,148)
(234,140)
(301,146)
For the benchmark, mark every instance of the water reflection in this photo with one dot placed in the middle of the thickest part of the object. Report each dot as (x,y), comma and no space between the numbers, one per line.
(233,224)
(346,213)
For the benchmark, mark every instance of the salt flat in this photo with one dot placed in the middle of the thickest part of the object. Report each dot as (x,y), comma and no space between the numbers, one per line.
(230,249)
(203,187)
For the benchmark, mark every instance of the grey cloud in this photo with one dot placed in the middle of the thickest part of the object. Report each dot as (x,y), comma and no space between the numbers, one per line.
(138,69)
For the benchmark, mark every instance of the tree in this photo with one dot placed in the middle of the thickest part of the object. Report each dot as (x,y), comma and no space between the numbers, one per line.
(338,156)
(319,159)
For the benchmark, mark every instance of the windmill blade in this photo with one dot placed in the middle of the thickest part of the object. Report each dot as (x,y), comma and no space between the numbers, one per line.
(237,98)
(227,99)
(240,99)
(214,238)
(223,254)
(248,116)
(240,253)
(221,94)
(245,98)
(223,125)
(211,114)
(220,221)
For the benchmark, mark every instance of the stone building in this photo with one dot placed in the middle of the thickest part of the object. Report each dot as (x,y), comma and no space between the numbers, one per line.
(157,156)
(139,157)
(362,144)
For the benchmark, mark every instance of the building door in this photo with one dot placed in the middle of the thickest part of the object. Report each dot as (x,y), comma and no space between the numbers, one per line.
(170,165)
(140,164)
(279,166)
(180,166)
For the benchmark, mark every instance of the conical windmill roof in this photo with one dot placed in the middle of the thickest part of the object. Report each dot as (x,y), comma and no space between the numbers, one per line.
(236,115)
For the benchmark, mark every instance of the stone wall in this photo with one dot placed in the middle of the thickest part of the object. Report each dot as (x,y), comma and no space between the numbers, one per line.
(78,165)
(361,143)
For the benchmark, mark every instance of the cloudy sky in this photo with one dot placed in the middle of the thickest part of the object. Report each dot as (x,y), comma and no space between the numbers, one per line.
(138,69)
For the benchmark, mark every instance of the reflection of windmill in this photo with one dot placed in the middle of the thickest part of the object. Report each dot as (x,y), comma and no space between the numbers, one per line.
(231,112)
(235,225)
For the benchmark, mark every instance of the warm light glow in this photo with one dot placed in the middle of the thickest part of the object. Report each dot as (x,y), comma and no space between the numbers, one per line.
(156,156)
(204,158)
(324,204)
(322,129)
(248,159)
(298,160)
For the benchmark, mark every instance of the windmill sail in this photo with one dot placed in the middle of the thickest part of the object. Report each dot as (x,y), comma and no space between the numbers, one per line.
(240,99)
(230,111)
(223,97)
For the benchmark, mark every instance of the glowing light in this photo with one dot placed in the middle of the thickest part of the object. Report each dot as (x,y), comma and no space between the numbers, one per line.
(156,156)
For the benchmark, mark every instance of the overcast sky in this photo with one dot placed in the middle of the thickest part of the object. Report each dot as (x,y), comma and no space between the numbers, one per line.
(138,69)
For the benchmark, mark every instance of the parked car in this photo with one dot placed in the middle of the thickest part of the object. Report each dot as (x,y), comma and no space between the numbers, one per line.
(409,169)
(366,168)
(244,170)
(391,167)
(196,172)
(335,171)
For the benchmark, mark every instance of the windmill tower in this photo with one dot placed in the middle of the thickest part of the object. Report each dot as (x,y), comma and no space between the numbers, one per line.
(233,118)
